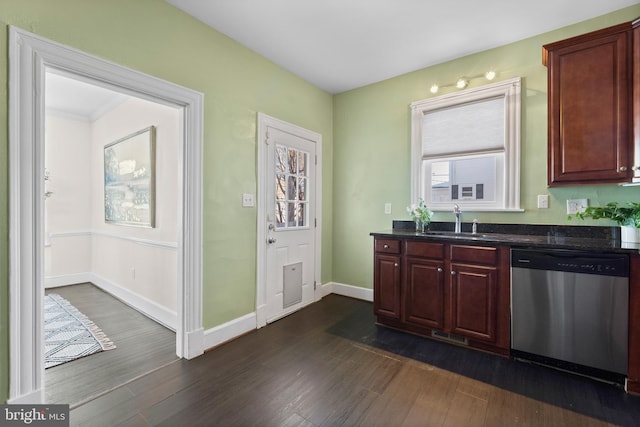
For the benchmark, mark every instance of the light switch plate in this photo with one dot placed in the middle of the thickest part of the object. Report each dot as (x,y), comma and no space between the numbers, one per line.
(247,200)
(576,205)
(387,208)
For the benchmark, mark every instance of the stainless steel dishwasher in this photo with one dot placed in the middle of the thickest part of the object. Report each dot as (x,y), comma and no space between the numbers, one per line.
(569,310)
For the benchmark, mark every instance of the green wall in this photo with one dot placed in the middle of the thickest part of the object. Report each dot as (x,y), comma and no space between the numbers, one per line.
(372,134)
(367,166)
(155,38)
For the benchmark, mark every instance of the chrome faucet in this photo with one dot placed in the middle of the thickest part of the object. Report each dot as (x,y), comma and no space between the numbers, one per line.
(457,212)
(474,227)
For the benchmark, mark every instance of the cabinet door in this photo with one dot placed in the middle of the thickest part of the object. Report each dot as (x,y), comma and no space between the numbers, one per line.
(386,286)
(636,101)
(473,301)
(424,293)
(589,108)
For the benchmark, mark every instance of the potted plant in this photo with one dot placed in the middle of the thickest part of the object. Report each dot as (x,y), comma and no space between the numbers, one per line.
(421,215)
(627,216)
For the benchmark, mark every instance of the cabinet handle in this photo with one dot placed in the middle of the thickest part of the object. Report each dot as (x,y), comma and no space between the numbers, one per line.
(395,264)
(453,273)
(439,270)
(386,246)
(635,168)
(623,168)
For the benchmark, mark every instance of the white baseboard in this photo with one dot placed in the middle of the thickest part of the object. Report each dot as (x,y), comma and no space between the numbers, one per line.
(34,398)
(351,291)
(230,330)
(155,311)
(67,279)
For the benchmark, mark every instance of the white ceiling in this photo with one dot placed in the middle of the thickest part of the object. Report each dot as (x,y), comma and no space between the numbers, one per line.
(343,44)
(76,99)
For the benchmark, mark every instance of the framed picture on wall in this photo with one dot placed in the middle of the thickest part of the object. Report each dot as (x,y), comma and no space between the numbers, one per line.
(129,179)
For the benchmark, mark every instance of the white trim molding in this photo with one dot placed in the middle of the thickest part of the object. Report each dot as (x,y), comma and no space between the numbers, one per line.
(90,233)
(149,308)
(30,56)
(365,294)
(230,330)
(138,302)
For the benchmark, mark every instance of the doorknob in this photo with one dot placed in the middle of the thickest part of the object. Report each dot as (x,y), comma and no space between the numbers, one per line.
(271,240)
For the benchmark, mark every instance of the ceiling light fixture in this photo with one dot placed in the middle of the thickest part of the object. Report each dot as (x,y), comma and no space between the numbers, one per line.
(463,82)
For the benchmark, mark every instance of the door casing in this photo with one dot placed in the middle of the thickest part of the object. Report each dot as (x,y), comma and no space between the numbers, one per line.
(29,57)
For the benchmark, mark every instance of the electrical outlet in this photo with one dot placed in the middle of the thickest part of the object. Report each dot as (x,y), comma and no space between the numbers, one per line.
(387,208)
(543,201)
(576,205)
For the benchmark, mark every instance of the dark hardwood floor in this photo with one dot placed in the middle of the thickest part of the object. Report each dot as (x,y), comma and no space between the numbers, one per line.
(142,346)
(330,365)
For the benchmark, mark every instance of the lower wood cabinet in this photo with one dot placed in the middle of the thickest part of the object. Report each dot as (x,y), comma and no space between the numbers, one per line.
(473,300)
(459,291)
(424,293)
(386,295)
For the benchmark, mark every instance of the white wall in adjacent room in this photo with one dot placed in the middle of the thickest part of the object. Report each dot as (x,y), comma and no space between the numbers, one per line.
(68,209)
(136,264)
(143,260)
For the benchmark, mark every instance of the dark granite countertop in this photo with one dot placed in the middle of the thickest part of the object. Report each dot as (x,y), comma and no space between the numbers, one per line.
(587,238)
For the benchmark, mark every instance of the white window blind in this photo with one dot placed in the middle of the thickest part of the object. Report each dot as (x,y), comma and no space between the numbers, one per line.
(474,127)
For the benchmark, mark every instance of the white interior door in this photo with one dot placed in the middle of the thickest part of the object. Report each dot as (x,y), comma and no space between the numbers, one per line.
(289,222)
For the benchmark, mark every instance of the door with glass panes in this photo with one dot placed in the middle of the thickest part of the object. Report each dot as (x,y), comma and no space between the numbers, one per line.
(290,223)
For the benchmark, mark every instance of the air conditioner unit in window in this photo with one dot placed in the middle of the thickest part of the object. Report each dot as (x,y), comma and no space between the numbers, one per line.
(467,192)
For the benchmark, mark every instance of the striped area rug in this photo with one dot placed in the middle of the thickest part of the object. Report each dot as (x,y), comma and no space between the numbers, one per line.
(69,334)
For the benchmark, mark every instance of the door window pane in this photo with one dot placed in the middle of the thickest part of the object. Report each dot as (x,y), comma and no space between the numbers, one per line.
(281,182)
(281,159)
(291,188)
(291,181)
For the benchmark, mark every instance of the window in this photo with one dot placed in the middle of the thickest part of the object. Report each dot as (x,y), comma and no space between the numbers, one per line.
(466,148)
(291,184)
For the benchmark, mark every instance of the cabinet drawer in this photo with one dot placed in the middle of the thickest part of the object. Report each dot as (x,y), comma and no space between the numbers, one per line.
(424,249)
(387,246)
(474,254)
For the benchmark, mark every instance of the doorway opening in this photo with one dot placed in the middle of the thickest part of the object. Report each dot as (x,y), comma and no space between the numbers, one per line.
(29,58)
(84,255)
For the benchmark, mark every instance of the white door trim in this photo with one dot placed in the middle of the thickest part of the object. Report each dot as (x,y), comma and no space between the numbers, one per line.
(29,56)
(264,122)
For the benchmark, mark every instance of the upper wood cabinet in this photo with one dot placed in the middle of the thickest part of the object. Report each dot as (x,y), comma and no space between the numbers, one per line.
(636,100)
(590,107)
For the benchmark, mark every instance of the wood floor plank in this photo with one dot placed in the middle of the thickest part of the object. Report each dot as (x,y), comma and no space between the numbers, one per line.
(466,410)
(330,365)
(432,404)
(142,346)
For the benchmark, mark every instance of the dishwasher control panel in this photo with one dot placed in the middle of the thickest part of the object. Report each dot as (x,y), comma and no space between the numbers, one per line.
(571,261)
